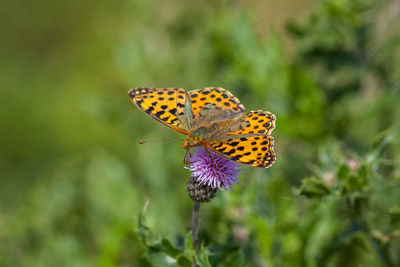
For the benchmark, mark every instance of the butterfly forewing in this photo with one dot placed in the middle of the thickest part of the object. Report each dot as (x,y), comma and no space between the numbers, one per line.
(166,105)
(216,97)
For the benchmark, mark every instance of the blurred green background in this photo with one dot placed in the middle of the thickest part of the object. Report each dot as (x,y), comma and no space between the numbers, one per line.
(73,179)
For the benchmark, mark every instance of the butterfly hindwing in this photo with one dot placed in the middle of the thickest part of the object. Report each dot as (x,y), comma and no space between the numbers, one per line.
(256,122)
(256,151)
(166,105)
(215,97)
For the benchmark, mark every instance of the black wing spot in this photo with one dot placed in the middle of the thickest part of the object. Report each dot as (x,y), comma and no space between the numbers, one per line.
(222,149)
(243,139)
(164,107)
(131,94)
(205,92)
(171,92)
(218,99)
(227,104)
(230,152)
(221,144)
(237,157)
(161,112)
(240,148)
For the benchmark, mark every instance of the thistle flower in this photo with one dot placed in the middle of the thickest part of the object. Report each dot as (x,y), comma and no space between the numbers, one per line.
(209,169)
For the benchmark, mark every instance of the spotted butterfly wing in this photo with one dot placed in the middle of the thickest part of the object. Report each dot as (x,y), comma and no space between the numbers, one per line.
(213,97)
(256,151)
(256,123)
(252,144)
(166,105)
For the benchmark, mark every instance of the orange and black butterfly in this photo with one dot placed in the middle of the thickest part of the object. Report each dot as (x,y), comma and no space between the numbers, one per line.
(212,117)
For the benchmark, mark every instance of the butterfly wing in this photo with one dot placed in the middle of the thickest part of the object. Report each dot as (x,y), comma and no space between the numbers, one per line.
(256,151)
(215,97)
(256,122)
(250,144)
(168,106)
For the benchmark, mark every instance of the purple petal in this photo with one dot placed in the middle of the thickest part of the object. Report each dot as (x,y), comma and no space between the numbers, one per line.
(210,169)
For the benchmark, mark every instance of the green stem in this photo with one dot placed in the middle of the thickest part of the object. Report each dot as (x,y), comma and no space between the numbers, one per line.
(195,224)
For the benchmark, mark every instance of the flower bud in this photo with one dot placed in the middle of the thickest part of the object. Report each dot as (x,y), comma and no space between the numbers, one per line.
(200,192)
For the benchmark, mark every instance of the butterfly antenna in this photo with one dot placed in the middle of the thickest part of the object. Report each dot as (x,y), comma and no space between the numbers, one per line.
(158,140)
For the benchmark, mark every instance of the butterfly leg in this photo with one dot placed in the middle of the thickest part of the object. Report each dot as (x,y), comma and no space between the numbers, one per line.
(187,157)
(209,154)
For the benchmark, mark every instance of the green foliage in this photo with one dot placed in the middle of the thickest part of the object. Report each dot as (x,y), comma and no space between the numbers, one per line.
(312,187)
(74,180)
(162,252)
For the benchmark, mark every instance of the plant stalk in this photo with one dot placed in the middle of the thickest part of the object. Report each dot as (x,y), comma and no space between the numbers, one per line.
(195,225)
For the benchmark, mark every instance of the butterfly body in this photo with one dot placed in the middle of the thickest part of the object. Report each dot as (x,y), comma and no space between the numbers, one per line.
(213,118)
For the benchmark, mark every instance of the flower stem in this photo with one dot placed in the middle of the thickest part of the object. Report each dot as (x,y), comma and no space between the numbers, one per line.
(195,224)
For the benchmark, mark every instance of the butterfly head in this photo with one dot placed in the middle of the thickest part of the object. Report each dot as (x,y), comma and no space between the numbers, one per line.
(194,138)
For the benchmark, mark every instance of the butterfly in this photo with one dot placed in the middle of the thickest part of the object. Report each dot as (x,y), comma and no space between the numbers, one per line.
(212,117)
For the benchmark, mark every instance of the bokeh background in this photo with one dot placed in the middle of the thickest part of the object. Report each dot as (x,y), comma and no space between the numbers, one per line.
(74,181)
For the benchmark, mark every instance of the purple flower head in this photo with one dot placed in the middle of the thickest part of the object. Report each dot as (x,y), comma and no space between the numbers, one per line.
(210,169)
